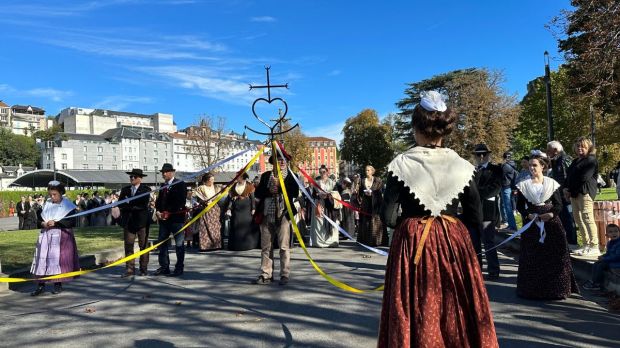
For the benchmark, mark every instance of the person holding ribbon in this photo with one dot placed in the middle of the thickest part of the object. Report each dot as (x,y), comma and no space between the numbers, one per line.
(170,212)
(134,219)
(275,221)
(370,199)
(322,233)
(545,271)
(209,226)
(434,291)
(56,251)
(241,208)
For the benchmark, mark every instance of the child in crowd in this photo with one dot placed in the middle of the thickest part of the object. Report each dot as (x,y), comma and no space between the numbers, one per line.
(611,259)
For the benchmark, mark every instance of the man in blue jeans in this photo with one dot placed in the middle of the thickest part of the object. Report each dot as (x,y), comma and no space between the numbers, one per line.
(509,175)
(170,211)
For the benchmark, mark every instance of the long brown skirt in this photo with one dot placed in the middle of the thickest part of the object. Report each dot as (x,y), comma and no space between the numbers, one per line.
(209,229)
(441,302)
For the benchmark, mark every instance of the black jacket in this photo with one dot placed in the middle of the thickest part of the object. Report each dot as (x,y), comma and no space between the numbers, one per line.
(22,206)
(582,175)
(509,174)
(489,183)
(292,190)
(172,200)
(559,168)
(134,214)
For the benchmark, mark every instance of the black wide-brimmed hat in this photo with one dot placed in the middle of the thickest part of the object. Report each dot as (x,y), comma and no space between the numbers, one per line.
(137,172)
(286,157)
(481,148)
(167,167)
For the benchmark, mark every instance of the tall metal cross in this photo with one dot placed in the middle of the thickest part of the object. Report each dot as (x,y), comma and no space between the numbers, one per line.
(269,86)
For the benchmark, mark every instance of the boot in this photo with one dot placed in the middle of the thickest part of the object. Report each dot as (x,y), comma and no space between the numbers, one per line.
(39,290)
(57,288)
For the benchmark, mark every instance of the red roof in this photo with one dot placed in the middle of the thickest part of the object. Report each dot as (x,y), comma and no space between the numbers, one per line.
(318,139)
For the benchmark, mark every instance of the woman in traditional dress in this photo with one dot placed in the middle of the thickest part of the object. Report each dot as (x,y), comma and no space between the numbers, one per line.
(241,209)
(322,233)
(56,251)
(434,292)
(545,271)
(370,199)
(348,215)
(209,225)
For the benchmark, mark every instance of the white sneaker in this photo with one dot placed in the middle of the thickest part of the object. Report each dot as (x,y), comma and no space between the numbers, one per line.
(582,251)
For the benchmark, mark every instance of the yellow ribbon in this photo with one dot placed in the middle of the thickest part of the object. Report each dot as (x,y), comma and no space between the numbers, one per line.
(141,252)
(330,279)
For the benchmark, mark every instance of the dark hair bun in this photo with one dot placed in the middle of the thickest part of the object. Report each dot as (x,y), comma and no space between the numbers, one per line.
(433,124)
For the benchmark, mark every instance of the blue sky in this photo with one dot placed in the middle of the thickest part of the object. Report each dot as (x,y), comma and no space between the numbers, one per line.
(192,57)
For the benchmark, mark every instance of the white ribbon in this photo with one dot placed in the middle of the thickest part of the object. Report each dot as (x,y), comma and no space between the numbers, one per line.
(519,232)
(543,233)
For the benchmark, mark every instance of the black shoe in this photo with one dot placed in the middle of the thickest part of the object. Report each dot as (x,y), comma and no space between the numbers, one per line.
(57,288)
(261,280)
(39,290)
(177,272)
(161,271)
(143,273)
(492,276)
(283,280)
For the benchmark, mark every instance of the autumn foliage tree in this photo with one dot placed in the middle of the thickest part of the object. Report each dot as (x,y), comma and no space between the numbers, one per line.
(486,114)
(366,141)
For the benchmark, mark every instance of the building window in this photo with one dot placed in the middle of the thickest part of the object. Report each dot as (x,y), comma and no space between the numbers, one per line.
(85,157)
(100,166)
(64,156)
(99,157)
(155,153)
(48,157)
(144,159)
(48,166)
(85,148)
(155,160)
(64,166)
(85,166)
(114,149)
(99,149)
(114,166)
(114,158)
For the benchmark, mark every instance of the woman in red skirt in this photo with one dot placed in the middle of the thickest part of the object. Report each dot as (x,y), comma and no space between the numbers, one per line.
(434,292)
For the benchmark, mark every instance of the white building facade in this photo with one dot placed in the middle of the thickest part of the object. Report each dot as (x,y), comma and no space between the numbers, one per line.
(98,121)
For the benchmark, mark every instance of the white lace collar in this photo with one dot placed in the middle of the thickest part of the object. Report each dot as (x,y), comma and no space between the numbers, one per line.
(526,187)
(436,176)
(56,211)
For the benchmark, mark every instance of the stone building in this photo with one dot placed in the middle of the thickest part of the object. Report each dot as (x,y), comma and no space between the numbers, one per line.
(97,121)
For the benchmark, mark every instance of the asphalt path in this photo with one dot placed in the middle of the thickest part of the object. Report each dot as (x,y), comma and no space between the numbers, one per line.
(214,305)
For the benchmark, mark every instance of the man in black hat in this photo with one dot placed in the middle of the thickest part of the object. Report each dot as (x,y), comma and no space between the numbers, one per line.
(488,180)
(170,211)
(275,222)
(134,219)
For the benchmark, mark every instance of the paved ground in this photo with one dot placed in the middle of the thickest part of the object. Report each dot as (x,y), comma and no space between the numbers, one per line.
(9,223)
(213,305)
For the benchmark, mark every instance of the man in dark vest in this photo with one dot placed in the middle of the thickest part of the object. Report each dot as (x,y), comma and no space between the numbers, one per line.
(560,161)
(488,178)
(134,219)
(170,211)
(275,224)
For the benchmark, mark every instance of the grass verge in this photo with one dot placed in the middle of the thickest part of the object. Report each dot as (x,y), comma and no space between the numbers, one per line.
(17,247)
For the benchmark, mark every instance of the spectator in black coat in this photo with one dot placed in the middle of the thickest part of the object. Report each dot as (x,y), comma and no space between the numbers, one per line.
(560,162)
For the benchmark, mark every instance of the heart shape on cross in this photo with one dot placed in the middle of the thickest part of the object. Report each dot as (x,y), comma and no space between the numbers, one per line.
(269,102)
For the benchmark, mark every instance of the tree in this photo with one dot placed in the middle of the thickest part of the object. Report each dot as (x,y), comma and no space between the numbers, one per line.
(485,113)
(207,140)
(295,144)
(589,37)
(399,141)
(17,149)
(49,134)
(571,119)
(366,141)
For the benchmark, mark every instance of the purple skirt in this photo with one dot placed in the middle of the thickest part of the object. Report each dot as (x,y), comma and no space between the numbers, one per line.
(45,264)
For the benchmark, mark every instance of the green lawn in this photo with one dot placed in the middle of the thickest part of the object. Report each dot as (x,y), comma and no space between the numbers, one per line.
(17,247)
(607,194)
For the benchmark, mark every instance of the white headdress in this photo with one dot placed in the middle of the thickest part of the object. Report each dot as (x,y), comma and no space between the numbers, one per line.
(432,101)
(538,153)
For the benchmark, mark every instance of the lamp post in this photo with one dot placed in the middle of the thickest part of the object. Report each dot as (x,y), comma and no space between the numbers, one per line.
(592,125)
(550,135)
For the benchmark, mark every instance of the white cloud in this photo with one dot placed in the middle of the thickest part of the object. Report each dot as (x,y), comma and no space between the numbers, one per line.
(331,131)
(263,19)
(121,102)
(41,92)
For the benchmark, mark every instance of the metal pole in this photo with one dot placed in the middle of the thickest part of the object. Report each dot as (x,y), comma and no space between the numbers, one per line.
(550,135)
(54,159)
(593,129)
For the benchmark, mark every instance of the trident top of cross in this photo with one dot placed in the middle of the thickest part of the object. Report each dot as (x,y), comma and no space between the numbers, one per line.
(269,86)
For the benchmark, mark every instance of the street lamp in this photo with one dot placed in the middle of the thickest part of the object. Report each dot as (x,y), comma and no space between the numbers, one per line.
(592,124)
(550,135)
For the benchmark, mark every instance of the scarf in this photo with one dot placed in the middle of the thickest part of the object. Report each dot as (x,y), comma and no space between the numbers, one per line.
(436,176)
(534,196)
(57,211)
